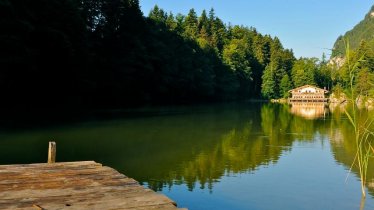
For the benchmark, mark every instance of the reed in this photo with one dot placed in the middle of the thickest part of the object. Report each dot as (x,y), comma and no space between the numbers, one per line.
(362,127)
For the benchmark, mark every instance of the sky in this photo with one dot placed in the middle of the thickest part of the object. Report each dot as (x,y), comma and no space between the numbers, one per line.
(309,27)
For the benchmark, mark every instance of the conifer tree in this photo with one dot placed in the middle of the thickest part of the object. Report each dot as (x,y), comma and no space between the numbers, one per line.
(191,25)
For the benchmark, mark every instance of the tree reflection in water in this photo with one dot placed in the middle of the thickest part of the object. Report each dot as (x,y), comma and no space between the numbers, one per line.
(245,148)
(193,147)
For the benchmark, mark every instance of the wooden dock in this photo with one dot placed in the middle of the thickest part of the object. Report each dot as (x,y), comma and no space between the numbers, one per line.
(74,185)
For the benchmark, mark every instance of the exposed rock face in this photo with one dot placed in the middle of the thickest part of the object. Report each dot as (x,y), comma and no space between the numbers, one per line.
(364,102)
(337,61)
(338,99)
(342,100)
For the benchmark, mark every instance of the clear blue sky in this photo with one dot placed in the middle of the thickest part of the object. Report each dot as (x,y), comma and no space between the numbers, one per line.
(306,26)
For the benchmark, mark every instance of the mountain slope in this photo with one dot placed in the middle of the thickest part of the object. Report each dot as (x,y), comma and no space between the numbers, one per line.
(364,30)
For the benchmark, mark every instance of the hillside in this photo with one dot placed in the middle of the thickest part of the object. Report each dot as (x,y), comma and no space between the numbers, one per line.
(88,55)
(364,30)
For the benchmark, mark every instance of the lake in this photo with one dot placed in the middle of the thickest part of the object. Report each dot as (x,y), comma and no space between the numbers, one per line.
(256,156)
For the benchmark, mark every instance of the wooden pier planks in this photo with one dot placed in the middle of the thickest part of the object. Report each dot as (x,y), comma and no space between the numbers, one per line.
(74,185)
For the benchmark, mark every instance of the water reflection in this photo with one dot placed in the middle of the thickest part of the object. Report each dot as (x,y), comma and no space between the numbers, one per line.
(243,148)
(310,110)
(253,139)
(343,142)
(339,131)
(196,147)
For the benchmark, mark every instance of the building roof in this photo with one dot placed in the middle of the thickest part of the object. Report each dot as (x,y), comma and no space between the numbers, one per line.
(310,86)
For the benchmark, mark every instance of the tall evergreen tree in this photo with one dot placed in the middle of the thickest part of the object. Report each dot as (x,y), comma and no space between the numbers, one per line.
(158,15)
(171,22)
(269,83)
(203,23)
(285,86)
(191,25)
(106,54)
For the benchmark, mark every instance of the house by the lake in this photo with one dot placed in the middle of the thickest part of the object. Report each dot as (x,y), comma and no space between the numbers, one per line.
(308,93)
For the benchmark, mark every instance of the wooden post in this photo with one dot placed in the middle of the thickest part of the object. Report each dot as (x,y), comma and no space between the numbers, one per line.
(52,152)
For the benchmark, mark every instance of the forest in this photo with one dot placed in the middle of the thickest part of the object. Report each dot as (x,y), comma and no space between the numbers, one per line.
(64,55)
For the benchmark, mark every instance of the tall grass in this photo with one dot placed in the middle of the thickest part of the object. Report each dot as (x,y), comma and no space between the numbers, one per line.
(362,127)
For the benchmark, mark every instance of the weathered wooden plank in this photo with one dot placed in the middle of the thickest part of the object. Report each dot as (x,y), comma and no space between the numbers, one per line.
(55,166)
(99,200)
(74,185)
(53,174)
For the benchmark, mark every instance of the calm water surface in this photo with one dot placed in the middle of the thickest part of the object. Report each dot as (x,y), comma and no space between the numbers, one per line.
(240,156)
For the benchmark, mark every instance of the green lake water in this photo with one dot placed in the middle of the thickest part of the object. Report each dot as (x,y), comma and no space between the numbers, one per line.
(255,156)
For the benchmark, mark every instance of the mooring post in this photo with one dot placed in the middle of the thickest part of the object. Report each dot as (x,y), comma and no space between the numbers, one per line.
(52,152)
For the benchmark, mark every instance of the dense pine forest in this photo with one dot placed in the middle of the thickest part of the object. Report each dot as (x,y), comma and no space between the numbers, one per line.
(106,54)
(61,55)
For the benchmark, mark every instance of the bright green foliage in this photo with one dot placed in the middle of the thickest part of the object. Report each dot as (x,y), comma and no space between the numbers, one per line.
(219,33)
(363,57)
(203,40)
(269,83)
(366,52)
(179,19)
(262,49)
(191,25)
(343,76)
(204,31)
(244,51)
(303,71)
(285,86)
(237,56)
(281,62)
(204,23)
(364,84)
(361,75)
(171,23)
